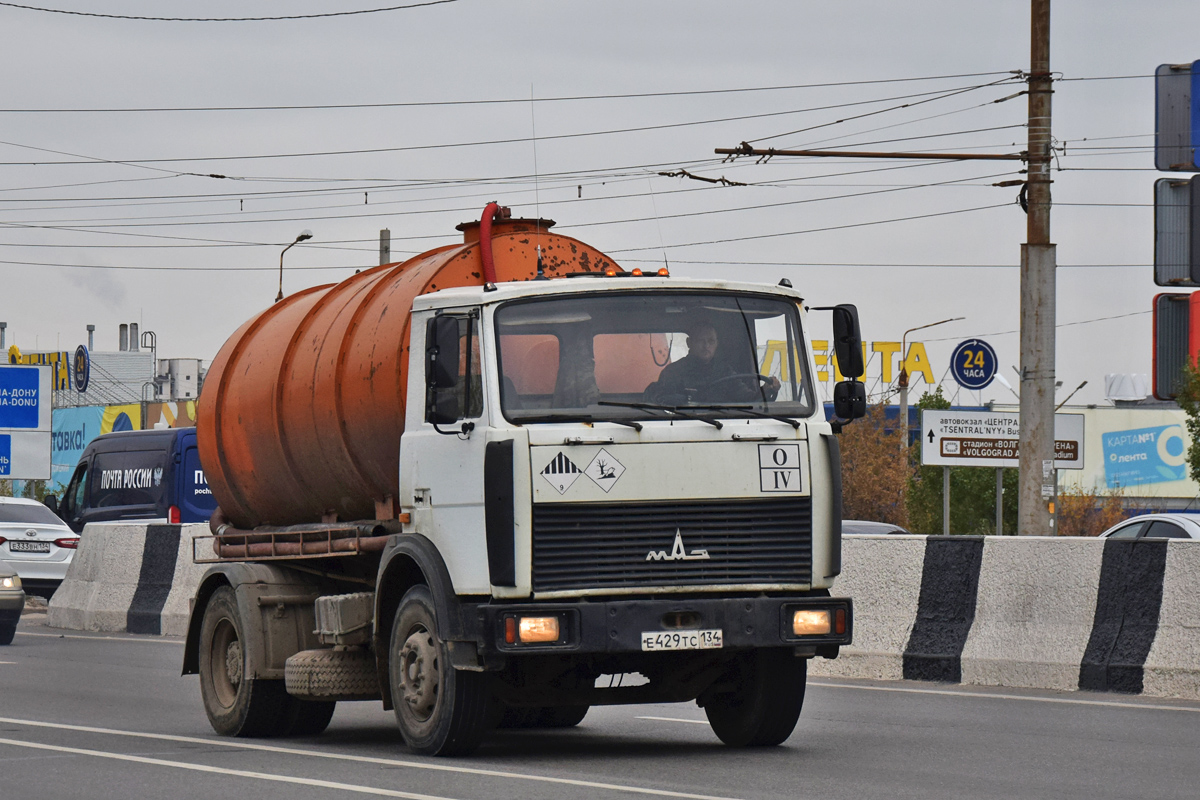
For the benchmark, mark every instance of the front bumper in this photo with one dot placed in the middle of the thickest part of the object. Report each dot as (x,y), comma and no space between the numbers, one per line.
(617,626)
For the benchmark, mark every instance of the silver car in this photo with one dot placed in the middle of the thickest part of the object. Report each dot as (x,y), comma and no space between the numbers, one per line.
(36,543)
(12,600)
(1156,526)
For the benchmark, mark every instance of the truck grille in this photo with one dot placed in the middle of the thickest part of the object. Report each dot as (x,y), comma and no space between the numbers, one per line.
(601,545)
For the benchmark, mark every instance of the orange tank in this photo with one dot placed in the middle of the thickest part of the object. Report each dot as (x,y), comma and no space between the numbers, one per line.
(302,410)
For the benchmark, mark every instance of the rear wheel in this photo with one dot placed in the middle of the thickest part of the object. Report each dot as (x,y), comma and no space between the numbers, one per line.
(236,704)
(7,634)
(765,702)
(440,710)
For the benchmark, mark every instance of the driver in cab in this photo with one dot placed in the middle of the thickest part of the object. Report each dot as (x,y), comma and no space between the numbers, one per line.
(700,375)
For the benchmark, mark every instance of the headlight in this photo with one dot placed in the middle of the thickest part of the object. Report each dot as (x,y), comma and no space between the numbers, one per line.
(809,623)
(11,583)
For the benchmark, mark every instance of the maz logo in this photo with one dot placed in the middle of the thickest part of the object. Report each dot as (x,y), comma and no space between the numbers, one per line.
(677,552)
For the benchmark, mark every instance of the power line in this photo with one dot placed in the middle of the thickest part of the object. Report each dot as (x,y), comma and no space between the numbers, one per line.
(1060,325)
(227,19)
(142,162)
(818,230)
(501,101)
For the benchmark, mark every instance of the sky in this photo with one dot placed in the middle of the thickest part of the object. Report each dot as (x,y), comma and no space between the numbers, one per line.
(111,131)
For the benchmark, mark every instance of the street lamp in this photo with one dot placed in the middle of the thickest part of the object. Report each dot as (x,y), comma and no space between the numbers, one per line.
(904,376)
(305,235)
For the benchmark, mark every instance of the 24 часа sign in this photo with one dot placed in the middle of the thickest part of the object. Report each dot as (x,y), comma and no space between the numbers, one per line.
(1145,455)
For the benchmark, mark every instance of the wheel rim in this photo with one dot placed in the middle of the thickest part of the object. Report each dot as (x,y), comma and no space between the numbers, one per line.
(227,663)
(420,674)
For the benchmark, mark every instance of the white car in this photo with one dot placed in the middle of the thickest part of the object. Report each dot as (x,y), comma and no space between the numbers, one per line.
(1156,526)
(35,543)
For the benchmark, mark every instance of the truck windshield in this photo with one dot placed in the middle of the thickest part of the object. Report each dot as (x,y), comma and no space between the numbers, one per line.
(637,355)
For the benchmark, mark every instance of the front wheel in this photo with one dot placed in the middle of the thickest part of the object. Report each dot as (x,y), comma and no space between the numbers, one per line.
(764,703)
(441,711)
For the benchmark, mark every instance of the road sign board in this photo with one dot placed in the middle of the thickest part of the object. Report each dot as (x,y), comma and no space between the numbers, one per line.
(25,455)
(989,439)
(974,364)
(25,403)
(1177,117)
(24,398)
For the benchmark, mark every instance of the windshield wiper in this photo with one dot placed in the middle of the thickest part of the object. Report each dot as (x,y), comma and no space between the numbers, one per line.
(747,410)
(637,426)
(669,409)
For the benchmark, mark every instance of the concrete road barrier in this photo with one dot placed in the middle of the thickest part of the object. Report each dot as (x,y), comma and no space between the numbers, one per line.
(134,577)
(1055,613)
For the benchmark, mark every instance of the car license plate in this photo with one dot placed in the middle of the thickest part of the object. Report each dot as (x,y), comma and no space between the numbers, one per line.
(29,547)
(682,640)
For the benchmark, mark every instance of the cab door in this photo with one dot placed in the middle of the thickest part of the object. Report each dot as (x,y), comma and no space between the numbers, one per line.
(442,453)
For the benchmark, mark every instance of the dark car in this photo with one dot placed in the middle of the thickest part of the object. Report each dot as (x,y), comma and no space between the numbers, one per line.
(12,601)
(138,475)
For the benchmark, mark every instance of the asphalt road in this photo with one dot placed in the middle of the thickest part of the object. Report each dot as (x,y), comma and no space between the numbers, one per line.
(89,715)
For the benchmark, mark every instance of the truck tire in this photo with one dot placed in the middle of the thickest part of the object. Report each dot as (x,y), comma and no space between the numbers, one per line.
(236,705)
(441,711)
(329,675)
(763,708)
(548,717)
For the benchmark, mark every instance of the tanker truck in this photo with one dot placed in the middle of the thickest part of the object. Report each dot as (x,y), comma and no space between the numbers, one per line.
(508,480)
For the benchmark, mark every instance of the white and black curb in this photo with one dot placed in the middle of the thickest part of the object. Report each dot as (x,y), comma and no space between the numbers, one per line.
(1054,613)
(137,578)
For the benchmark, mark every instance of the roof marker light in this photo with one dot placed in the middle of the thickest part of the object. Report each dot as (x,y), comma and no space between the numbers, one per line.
(664,272)
(636,271)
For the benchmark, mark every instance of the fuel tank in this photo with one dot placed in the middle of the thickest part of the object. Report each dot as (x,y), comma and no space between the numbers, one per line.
(302,410)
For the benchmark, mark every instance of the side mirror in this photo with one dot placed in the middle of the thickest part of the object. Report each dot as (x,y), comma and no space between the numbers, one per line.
(850,400)
(441,353)
(51,502)
(847,341)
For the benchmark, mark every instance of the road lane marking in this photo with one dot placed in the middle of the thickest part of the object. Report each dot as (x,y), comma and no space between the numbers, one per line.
(109,638)
(236,773)
(391,762)
(676,719)
(1030,698)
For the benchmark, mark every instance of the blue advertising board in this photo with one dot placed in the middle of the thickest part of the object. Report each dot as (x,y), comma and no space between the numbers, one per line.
(73,430)
(974,364)
(1145,455)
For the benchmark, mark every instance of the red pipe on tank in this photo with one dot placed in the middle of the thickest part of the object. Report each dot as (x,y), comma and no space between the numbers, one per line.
(490,211)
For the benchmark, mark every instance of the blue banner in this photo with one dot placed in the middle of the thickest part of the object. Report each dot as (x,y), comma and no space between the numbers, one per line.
(73,429)
(1145,455)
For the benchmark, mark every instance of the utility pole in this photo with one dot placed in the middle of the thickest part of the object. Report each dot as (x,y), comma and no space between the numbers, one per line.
(1036,497)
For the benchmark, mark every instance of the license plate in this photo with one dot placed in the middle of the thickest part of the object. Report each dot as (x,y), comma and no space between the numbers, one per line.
(682,640)
(29,547)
